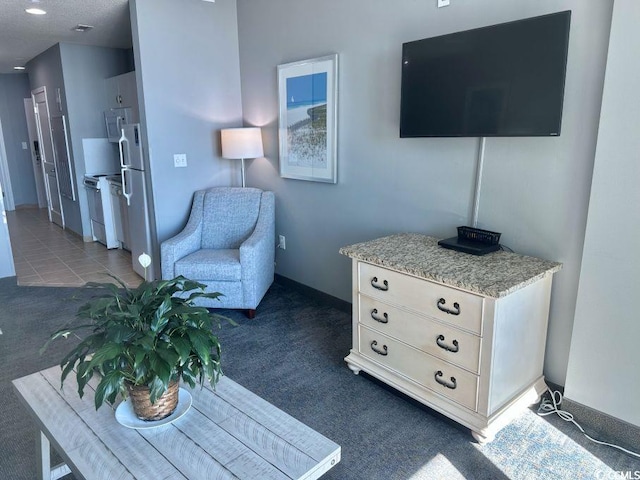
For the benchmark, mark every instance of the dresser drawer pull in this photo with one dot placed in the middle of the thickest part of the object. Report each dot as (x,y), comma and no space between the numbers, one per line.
(444,383)
(454,311)
(382,319)
(382,352)
(441,344)
(384,287)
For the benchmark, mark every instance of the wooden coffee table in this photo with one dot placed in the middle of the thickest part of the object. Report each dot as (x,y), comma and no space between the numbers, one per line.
(227,433)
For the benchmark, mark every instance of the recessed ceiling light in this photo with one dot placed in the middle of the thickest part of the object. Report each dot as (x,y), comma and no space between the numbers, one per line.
(35,11)
(19,68)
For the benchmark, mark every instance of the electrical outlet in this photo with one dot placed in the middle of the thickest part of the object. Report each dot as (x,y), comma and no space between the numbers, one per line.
(443,3)
(180,160)
(282,242)
(25,146)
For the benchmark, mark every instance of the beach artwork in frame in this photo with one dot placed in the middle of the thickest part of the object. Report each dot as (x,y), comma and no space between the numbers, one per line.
(307,122)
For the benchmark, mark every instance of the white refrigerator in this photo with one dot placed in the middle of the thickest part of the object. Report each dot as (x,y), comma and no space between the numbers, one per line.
(134,190)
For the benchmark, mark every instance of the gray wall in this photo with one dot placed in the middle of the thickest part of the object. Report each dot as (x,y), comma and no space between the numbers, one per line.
(79,72)
(188,77)
(45,70)
(535,190)
(603,365)
(84,69)
(13,89)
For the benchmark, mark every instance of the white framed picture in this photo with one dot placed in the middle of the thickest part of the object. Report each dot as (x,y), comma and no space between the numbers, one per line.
(307,121)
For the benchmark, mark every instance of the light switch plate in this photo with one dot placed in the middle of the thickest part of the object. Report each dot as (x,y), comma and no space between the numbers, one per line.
(180,160)
(25,146)
(443,3)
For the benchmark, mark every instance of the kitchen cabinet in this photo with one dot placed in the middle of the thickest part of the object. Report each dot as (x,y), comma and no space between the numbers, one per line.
(462,334)
(121,92)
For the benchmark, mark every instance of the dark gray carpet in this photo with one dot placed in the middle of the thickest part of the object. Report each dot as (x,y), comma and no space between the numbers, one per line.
(292,354)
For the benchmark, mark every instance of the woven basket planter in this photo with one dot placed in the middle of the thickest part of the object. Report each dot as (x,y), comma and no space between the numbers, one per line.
(145,410)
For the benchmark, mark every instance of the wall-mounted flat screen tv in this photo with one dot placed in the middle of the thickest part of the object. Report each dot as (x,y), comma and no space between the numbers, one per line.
(503,80)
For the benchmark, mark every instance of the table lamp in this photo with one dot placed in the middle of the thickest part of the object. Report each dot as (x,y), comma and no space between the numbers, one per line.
(241,143)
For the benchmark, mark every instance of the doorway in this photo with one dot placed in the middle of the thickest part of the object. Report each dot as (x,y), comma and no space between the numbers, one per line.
(5,179)
(45,141)
(34,149)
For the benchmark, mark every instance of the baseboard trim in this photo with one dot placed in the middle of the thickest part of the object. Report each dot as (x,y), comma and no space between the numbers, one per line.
(327,299)
(604,427)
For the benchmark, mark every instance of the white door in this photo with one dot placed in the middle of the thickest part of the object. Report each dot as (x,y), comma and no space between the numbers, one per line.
(7,267)
(43,126)
(34,147)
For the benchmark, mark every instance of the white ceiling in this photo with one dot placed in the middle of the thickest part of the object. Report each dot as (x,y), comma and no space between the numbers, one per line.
(24,36)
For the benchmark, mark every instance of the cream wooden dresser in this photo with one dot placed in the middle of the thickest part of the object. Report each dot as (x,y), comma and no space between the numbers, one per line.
(460,333)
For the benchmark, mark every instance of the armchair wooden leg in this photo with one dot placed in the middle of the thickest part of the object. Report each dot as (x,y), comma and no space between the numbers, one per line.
(250,313)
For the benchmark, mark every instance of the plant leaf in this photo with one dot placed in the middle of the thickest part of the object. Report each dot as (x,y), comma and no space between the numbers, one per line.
(161,368)
(201,344)
(83,375)
(168,353)
(110,384)
(182,347)
(119,333)
(156,388)
(189,377)
(160,318)
(106,352)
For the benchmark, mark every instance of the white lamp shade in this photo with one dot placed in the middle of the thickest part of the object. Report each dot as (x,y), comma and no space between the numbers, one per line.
(241,142)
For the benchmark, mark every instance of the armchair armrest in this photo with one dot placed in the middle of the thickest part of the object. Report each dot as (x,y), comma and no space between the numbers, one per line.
(175,248)
(257,253)
(187,241)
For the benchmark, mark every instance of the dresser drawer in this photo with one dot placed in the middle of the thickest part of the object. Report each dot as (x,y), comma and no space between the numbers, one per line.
(448,343)
(458,308)
(437,375)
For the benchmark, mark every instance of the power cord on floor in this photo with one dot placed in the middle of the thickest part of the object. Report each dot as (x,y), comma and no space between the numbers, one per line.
(550,406)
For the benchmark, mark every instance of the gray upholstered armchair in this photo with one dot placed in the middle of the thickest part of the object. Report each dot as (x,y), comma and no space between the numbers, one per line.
(228,244)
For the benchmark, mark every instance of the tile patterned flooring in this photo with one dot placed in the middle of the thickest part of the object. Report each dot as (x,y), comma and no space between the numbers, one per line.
(46,255)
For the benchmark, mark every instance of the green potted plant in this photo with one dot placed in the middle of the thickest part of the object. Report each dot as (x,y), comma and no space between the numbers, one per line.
(142,341)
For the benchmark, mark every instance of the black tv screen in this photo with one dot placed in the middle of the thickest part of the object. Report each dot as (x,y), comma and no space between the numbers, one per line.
(503,80)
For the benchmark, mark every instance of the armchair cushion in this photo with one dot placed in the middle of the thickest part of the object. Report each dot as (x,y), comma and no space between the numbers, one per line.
(223,265)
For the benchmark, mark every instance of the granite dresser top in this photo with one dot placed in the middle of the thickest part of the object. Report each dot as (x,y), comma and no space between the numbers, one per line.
(494,275)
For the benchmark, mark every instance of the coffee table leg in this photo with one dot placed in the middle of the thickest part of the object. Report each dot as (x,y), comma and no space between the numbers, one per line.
(45,470)
(43,450)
